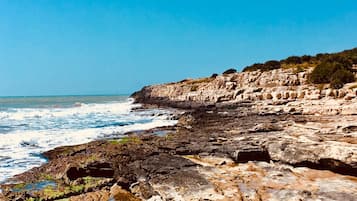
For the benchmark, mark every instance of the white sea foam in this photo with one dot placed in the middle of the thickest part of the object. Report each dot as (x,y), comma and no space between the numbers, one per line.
(35,130)
(83,109)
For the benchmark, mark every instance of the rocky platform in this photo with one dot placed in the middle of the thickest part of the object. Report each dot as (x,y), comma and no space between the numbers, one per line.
(227,153)
(223,149)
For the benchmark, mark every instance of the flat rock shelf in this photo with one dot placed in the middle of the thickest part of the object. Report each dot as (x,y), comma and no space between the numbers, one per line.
(239,138)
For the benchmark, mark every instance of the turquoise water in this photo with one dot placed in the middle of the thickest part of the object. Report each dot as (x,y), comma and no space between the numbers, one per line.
(32,125)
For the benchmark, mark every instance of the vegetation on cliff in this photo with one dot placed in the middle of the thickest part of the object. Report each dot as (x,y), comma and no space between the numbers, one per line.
(347,57)
(335,73)
(229,71)
(335,69)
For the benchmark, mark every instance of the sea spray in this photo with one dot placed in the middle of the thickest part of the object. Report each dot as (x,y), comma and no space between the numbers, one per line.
(29,128)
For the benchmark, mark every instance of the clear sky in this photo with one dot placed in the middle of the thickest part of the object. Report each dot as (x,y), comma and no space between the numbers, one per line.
(58,47)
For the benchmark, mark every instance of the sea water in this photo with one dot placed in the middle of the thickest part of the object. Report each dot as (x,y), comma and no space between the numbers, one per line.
(32,125)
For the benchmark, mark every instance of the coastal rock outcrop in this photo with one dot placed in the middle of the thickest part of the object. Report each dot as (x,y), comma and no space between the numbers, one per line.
(221,153)
(248,136)
(276,87)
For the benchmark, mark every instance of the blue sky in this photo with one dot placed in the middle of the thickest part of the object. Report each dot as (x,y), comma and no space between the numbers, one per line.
(116,47)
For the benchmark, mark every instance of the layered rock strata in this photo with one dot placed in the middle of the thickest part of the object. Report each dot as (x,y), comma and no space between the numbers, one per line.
(276,87)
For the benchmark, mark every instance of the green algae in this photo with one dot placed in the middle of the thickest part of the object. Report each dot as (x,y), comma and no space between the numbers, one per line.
(126,140)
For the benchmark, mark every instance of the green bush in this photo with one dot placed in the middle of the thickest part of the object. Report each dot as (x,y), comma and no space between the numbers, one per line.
(342,61)
(354,59)
(345,59)
(269,65)
(340,77)
(256,66)
(293,60)
(321,73)
(306,58)
(230,71)
(335,73)
(272,64)
(336,84)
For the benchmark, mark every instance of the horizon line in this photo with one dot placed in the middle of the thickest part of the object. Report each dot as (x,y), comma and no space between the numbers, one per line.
(34,96)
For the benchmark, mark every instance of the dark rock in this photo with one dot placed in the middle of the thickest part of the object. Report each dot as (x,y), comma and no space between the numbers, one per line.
(349,129)
(95,169)
(250,154)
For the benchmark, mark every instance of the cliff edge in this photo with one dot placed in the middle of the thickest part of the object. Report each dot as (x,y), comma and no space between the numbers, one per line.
(285,89)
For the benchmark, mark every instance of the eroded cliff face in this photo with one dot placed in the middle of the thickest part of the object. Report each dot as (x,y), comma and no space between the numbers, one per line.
(277,87)
(254,85)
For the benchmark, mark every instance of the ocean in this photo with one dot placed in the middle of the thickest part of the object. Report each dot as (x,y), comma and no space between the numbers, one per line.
(32,125)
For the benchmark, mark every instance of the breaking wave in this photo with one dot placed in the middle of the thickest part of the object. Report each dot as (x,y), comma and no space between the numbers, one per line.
(26,132)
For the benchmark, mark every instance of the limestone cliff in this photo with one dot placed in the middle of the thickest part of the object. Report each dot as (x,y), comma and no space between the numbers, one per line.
(276,87)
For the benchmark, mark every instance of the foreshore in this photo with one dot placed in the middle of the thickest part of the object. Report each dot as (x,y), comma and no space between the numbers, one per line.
(228,145)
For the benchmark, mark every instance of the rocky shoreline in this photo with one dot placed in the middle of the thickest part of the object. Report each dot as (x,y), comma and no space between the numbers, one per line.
(244,136)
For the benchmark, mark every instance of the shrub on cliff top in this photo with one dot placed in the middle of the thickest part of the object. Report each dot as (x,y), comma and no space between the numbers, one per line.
(344,57)
(340,77)
(333,72)
(293,60)
(269,65)
(254,67)
(306,58)
(322,73)
(229,71)
(272,64)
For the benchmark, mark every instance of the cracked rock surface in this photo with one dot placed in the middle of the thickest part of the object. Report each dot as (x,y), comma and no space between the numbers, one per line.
(219,153)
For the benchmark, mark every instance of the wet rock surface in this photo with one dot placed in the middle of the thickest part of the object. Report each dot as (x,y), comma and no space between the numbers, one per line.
(247,136)
(214,153)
